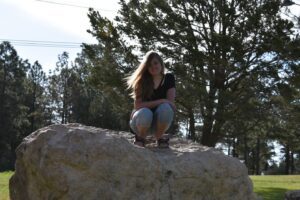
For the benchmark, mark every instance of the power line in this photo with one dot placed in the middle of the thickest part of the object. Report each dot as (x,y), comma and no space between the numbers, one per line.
(60,46)
(40,41)
(73,5)
(40,45)
(35,43)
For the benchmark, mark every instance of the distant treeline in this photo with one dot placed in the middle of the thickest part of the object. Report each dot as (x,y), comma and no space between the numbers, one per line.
(236,65)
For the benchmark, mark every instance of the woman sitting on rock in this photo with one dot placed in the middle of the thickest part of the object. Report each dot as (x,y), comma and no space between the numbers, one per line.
(153,92)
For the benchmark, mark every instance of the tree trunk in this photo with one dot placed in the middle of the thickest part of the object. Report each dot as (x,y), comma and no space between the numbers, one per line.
(253,163)
(292,162)
(246,151)
(213,122)
(287,159)
(229,147)
(235,144)
(32,109)
(257,168)
(192,125)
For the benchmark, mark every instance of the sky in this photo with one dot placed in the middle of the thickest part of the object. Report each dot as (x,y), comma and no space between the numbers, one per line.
(49,20)
(39,20)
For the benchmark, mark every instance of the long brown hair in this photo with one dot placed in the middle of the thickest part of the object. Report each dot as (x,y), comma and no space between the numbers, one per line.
(141,81)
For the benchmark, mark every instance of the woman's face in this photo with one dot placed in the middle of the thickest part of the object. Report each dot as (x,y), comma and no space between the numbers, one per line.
(155,67)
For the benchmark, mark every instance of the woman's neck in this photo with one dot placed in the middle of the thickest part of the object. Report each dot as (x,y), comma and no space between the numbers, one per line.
(157,77)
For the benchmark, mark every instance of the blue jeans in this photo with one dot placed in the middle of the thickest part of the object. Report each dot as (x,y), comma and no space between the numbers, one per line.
(164,113)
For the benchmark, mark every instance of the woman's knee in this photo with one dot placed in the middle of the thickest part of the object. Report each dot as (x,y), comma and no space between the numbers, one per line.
(143,117)
(165,113)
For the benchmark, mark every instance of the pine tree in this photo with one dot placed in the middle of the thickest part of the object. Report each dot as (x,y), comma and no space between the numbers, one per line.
(212,47)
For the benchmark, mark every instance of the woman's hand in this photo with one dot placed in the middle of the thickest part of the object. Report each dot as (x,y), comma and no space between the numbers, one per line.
(173,105)
(170,102)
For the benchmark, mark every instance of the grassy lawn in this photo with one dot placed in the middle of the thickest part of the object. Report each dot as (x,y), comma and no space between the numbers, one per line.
(4,177)
(273,187)
(269,187)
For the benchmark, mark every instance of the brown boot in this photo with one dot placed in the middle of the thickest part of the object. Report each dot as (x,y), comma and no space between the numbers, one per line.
(162,142)
(139,141)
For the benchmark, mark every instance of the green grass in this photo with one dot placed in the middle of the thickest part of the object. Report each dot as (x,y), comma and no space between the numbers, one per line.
(273,187)
(269,187)
(4,177)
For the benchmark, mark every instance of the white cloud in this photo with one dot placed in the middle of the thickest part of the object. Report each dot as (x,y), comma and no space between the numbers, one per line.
(70,19)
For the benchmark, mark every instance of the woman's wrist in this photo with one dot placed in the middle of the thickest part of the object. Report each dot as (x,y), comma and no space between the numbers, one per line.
(164,101)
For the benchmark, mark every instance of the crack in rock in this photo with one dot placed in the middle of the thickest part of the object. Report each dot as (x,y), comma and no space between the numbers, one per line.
(165,188)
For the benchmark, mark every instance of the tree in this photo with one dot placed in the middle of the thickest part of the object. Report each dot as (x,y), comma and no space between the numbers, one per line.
(287,112)
(109,62)
(36,83)
(13,110)
(211,45)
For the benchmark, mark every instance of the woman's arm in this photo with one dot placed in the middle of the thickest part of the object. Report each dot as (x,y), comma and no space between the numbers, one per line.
(171,94)
(138,103)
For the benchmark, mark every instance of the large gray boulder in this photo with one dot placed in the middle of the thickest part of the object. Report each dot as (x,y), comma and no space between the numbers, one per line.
(77,162)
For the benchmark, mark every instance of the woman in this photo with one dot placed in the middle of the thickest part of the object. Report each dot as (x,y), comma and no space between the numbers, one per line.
(153,92)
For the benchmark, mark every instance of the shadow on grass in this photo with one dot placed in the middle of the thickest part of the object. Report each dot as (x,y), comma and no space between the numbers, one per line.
(270,193)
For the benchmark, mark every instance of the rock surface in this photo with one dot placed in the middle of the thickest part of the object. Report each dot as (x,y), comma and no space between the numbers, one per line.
(292,195)
(78,162)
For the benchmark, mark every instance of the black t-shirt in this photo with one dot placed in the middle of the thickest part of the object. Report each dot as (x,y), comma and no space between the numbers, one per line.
(167,82)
